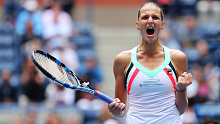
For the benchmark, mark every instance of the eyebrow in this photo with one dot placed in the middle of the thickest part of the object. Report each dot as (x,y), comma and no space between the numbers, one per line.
(154,14)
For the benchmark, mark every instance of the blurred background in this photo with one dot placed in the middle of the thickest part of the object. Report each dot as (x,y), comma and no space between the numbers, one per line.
(86,35)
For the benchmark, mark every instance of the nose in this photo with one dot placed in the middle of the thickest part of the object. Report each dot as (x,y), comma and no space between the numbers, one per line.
(150,21)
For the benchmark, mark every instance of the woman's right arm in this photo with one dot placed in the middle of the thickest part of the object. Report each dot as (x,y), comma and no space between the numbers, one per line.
(121,63)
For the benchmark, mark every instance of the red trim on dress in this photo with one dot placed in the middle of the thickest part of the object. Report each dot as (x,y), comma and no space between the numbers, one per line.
(132,79)
(171,78)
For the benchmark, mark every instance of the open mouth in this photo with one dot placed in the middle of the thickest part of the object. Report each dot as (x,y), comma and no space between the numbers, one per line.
(150,30)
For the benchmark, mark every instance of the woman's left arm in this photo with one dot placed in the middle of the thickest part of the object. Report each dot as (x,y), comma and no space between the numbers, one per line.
(184,79)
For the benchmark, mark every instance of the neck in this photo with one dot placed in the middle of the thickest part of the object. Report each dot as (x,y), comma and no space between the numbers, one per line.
(150,48)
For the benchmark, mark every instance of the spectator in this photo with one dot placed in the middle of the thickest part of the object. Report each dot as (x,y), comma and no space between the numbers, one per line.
(30,46)
(71,121)
(53,118)
(91,72)
(91,110)
(29,23)
(46,4)
(60,96)
(68,6)
(33,86)
(168,41)
(66,53)
(8,93)
(205,55)
(203,86)
(17,120)
(11,10)
(187,7)
(165,4)
(192,90)
(189,30)
(57,24)
(188,34)
(189,116)
(31,117)
(212,74)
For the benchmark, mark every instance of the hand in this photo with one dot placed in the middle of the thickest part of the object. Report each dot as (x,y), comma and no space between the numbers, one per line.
(183,81)
(116,108)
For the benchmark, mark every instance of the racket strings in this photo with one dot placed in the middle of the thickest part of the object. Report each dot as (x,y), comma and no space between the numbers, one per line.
(54,69)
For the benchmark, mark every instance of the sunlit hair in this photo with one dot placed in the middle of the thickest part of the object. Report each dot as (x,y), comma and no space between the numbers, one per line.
(152,3)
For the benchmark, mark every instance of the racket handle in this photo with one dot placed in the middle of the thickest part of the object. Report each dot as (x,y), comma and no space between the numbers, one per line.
(105,98)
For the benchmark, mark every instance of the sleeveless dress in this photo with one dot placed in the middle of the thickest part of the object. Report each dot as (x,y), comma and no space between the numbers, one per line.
(151,94)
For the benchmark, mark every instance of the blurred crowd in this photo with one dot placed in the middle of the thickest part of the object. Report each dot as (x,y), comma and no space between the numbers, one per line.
(48,25)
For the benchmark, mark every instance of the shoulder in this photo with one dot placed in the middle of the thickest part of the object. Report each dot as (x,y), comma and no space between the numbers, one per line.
(124,56)
(122,60)
(177,55)
(179,59)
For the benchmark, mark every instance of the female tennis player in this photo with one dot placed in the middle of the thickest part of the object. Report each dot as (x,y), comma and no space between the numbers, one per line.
(153,76)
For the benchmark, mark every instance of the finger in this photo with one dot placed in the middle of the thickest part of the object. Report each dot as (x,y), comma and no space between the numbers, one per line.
(180,80)
(186,79)
(111,104)
(183,74)
(114,108)
(190,77)
(119,108)
(117,100)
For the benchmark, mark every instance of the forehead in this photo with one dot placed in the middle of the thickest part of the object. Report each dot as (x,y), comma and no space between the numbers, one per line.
(150,9)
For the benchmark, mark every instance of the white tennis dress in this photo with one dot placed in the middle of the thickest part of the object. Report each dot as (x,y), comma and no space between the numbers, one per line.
(151,94)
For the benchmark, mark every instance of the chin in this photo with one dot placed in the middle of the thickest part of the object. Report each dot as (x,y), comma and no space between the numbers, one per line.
(150,40)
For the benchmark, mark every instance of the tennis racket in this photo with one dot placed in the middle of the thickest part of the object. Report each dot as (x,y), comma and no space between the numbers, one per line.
(62,75)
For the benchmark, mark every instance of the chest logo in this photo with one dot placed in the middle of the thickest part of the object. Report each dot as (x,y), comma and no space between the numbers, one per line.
(151,82)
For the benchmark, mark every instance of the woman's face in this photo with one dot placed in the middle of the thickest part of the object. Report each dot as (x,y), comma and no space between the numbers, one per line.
(150,23)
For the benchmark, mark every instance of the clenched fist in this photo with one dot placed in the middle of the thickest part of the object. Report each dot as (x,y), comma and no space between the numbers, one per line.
(183,81)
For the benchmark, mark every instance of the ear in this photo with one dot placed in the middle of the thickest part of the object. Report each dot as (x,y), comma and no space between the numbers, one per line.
(137,25)
(163,24)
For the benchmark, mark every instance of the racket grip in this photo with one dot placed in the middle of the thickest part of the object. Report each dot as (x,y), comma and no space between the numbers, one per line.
(105,98)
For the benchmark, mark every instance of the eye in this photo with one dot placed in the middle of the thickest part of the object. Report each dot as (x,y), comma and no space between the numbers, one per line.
(156,17)
(144,17)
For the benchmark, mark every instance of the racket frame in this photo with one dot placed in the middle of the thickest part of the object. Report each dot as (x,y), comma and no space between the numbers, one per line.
(82,87)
